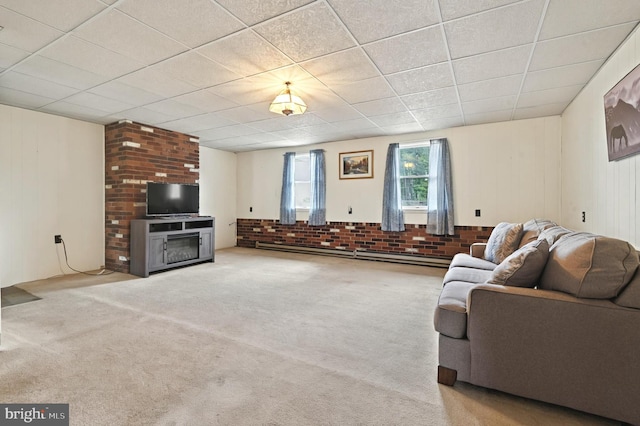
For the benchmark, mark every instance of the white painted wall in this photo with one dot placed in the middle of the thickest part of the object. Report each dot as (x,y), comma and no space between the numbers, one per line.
(508,170)
(609,192)
(218,193)
(51,182)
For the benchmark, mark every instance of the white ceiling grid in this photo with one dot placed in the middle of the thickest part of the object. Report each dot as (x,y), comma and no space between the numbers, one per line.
(209,68)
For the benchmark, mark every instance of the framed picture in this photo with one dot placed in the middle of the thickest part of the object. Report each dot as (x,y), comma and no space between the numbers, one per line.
(356,165)
(622,118)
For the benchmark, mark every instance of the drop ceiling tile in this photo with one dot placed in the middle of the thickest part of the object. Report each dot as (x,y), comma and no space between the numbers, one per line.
(422,79)
(540,111)
(492,65)
(99,103)
(10,55)
(437,113)
(67,109)
(245,53)
(144,115)
(342,67)
(24,33)
(561,18)
(557,95)
(206,100)
(334,115)
(234,131)
(322,130)
(125,93)
(36,86)
(271,125)
(401,129)
(195,70)
(562,76)
(413,50)
(198,123)
(451,9)
(174,109)
(154,81)
(244,114)
(431,98)
(22,99)
(393,119)
(304,120)
(254,11)
(443,123)
(377,19)
(493,30)
(355,124)
(381,107)
(488,117)
(294,135)
(248,91)
(57,72)
(89,57)
(490,88)
(489,105)
(120,33)
(582,47)
(297,34)
(192,22)
(64,17)
(364,90)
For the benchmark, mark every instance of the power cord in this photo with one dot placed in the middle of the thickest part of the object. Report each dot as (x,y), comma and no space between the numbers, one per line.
(66,259)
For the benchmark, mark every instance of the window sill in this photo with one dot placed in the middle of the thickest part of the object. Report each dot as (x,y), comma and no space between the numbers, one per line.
(414,209)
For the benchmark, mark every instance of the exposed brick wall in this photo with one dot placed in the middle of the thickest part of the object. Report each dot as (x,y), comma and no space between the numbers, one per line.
(362,236)
(134,154)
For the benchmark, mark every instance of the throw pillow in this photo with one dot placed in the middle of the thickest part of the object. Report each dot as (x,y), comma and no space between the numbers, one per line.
(523,267)
(531,230)
(589,266)
(503,241)
(553,233)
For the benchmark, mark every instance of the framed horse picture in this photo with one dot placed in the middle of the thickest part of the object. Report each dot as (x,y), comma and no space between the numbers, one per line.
(622,116)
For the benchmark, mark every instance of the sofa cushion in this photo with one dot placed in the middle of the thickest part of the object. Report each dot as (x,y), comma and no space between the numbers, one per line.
(523,267)
(503,241)
(553,233)
(531,230)
(630,296)
(589,266)
(450,317)
(467,275)
(465,260)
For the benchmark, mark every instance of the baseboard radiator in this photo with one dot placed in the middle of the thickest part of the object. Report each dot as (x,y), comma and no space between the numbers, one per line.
(359,254)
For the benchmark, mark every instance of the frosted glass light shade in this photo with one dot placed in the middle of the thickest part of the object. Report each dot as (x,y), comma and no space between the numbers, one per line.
(286,103)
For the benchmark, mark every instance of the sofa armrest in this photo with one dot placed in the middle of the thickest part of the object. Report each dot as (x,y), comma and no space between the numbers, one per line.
(553,347)
(477,250)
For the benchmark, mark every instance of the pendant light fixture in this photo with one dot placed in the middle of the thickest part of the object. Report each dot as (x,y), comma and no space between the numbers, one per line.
(287,103)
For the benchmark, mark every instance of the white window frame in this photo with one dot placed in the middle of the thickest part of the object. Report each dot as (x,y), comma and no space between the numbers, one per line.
(302,156)
(426,143)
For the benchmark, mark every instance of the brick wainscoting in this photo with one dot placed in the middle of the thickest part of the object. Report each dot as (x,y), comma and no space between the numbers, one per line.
(362,236)
(135,154)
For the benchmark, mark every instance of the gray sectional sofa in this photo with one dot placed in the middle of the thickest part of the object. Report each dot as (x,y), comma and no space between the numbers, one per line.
(545,313)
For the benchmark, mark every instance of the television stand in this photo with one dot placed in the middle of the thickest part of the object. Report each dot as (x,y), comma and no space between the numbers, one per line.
(170,242)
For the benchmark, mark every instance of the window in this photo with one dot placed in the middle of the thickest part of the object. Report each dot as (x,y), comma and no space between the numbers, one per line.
(414,175)
(302,181)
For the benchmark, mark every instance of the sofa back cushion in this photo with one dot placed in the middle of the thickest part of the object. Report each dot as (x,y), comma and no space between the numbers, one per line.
(531,230)
(553,233)
(630,296)
(589,266)
(503,241)
(523,267)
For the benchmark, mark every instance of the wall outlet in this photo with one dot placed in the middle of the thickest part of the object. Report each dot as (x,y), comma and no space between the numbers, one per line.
(250,209)
(477,212)
(57,239)
(350,210)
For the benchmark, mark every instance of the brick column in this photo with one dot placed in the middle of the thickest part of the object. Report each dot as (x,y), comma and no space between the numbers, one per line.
(134,155)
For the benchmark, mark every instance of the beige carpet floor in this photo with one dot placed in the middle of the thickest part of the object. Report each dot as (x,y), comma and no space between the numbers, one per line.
(257,338)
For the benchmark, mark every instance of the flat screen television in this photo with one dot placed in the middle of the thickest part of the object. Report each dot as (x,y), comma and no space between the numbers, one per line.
(172,199)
